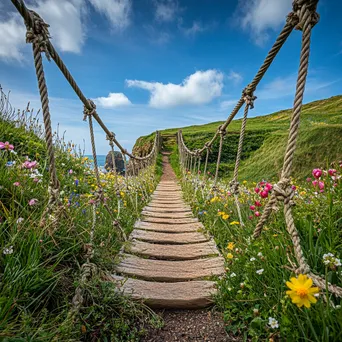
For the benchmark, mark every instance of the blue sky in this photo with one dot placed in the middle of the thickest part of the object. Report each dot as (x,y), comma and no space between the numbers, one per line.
(155,64)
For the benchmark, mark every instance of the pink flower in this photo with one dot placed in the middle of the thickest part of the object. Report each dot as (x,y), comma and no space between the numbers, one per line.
(29,165)
(6,146)
(257,190)
(317,173)
(16,184)
(268,186)
(252,207)
(36,180)
(257,203)
(294,187)
(250,217)
(264,193)
(321,185)
(70,172)
(315,182)
(257,214)
(308,179)
(33,201)
(262,183)
(332,172)
(91,201)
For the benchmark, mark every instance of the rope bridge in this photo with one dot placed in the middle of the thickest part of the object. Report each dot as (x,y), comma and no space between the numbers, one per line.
(303,17)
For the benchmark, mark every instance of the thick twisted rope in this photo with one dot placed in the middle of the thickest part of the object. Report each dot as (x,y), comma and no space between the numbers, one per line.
(222,134)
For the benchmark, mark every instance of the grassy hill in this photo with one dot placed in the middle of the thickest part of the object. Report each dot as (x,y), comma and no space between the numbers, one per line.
(320,140)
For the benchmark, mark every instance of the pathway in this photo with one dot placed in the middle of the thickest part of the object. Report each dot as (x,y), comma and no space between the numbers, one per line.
(169,257)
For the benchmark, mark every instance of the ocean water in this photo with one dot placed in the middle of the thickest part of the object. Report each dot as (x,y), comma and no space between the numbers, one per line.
(101,159)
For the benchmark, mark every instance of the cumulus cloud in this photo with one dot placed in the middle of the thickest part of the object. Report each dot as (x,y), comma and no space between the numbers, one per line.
(224,105)
(113,100)
(260,17)
(235,77)
(166,10)
(198,88)
(117,11)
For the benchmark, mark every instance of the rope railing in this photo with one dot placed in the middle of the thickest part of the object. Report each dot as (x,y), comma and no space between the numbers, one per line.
(37,34)
(303,17)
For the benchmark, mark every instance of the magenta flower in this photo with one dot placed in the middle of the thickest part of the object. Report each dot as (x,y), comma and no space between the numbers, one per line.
(70,172)
(317,173)
(33,201)
(16,184)
(257,190)
(332,172)
(250,217)
(91,201)
(264,193)
(29,164)
(294,187)
(6,146)
(252,207)
(257,203)
(309,179)
(321,185)
(315,182)
(268,186)
(257,214)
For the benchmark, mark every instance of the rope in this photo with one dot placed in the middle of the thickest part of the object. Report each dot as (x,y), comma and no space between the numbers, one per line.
(111,144)
(206,161)
(222,134)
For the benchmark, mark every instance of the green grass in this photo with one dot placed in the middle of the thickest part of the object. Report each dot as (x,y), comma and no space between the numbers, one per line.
(320,141)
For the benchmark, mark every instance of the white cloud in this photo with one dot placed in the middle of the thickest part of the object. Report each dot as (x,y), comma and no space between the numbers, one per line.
(235,77)
(224,105)
(166,10)
(12,38)
(259,17)
(199,88)
(113,100)
(117,11)
(66,28)
(196,27)
(156,36)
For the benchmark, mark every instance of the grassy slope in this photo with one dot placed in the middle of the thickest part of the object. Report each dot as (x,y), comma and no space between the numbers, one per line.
(320,140)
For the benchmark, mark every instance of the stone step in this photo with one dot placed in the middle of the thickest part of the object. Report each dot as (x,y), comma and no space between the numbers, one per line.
(167,209)
(170,221)
(170,271)
(168,238)
(182,295)
(169,228)
(169,215)
(172,252)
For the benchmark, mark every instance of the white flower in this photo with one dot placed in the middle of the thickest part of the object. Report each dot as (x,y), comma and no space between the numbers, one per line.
(229,288)
(252,259)
(8,250)
(316,295)
(14,152)
(273,323)
(259,254)
(19,220)
(329,259)
(233,275)
(260,271)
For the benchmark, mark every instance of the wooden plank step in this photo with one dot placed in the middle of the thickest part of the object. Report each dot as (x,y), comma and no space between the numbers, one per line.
(167,202)
(168,238)
(167,197)
(170,271)
(169,228)
(170,221)
(182,295)
(169,206)
(167,192)
(173,252)
(164,209)
(171,215)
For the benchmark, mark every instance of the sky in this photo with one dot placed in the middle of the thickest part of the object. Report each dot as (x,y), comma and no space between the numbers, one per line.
(156,64)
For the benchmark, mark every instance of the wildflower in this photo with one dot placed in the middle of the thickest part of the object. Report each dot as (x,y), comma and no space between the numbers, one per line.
(332,172)
(257,203)
(76,182)
(330,260)
(234,223)
(261,271)
(16,184)
(250,217)
(259,254)
(8,250)
(317,173)
(273,323)
(230,256)
(321,185)
(225,217)
(6,146)
(32,201)
(257,190)
(19,220)
(252,207)
(10,163)
(71,172)
(308,179)
(29,164)
(257,214)
(264,193)
(301,291)
(252,259)
(256,312)
(231,245)
(232,275)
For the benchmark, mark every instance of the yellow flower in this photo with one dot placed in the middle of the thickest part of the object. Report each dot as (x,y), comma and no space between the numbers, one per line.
(230,256)
(244,182)
(220,213)
(302,292)
(122,194)
(231,245)
(234,223)
(225,216)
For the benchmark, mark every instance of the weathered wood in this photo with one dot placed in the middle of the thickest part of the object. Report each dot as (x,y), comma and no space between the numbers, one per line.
(170,271)
(181,295)
(172,252)
(170,206)
(166,202)
(169,228)
(168,238)
(158,209)
(170,221)
(168,215)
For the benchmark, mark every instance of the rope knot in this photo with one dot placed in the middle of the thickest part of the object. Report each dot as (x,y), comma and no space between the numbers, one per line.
(38,33)
(304,10)
(248,96)
(284,191)
(222,132)
(89,111)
